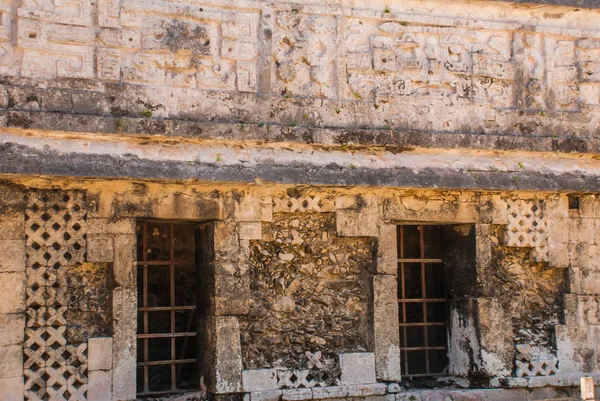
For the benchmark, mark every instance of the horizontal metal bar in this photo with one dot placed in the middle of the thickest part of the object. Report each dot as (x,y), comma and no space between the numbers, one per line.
(175,391)
(422,348)
(175,362)
(165,263)
(413,260)
(167,335)
(422,324)
(424,374)
(421,300)
(166,308)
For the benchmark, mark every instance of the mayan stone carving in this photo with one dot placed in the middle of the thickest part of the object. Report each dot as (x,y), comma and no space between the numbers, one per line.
(55,367)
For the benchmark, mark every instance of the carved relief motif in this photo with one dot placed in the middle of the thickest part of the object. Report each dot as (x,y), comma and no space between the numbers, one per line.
(210,49)
(304,55)
(71,12)
(55,51)
(387,61)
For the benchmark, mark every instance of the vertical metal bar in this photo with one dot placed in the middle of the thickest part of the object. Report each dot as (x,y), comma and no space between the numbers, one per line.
(403,290)
(145,300)
(424,294)
(172,289)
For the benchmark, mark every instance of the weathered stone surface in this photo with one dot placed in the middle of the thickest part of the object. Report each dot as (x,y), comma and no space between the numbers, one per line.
(100,353)
(358,368)
(222,366)
(259,379)
(124,343)
(387,250)
(13,227)
(385,326)
(124,256)
(12,361)
(99,386)
(309,293)
(100,248)
(13,255)
(250,230)
(11,389)
(12,329)
(12,292)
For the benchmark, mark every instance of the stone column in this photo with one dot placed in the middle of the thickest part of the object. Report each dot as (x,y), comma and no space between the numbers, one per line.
(12,305)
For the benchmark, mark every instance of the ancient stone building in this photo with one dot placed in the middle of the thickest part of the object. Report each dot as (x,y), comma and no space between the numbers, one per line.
(241,200)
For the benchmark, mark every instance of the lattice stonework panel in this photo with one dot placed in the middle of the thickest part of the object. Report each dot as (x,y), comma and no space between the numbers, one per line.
(527,228)
(56,228)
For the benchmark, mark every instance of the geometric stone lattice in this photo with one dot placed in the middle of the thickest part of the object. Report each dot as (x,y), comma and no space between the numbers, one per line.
(535,361)
(55,232)
(305,378)
(303,204)
(527,228)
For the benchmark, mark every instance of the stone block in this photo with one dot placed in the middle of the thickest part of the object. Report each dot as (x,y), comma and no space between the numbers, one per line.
(574,280)
(12,361)
(357,223)
(249,208)
(184,206)
(345,202)
(587,388)
(259,379)
(12,292)
(267,395)
(581,231)
(100,248)
(12,329)
(386,332)
(496,338)
(12,389)
(250,230)
(100,353)
(590,282)
(387,250)
(579,255)
(124,343)
(320,393)
(558,255)
(12,255)
(493,209)
(99,385)
(266,209)
(558,232)
(557,207)
(587,206)
(221,364)
(357,368)
(367,390)
(426,210)
(483,244)
(124,255)
(226,239)
(98,226)
(12,227)
(296,394)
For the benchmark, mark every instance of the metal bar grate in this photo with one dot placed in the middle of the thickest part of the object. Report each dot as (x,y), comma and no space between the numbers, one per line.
(167,337)
(422,301)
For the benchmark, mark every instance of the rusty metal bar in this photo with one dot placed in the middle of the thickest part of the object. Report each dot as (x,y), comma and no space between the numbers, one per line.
(166,308)
(167,362)
(167,335)
(170,386)
(145,296)
(421,343)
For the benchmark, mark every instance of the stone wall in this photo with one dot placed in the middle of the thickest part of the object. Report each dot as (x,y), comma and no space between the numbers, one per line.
(300,288)
(310,292)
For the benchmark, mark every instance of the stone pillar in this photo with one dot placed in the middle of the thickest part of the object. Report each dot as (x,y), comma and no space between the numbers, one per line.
(387,333)
(100,355)
(480,338)
(220,354)
(12,305)
(124,305)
